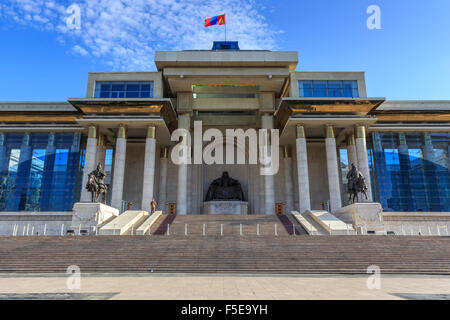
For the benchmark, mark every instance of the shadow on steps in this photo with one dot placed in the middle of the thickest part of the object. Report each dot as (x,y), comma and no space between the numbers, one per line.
(162,228)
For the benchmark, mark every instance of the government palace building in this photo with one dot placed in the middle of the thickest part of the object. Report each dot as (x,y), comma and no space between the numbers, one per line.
(326,121)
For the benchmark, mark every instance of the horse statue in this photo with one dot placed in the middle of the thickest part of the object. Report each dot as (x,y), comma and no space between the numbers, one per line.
(355,184)
(96,184)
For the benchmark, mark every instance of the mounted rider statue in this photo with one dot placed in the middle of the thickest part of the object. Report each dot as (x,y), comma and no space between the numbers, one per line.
(96,183)
(355,184)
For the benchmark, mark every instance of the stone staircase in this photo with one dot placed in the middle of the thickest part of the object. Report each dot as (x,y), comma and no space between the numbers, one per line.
(227,225)
(281,254)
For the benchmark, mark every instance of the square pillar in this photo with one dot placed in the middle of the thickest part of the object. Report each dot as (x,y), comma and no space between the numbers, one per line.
(119,169)
(269,186)
(149,169)
(363,163)
(184,122)
(163,163)
(351,151)
(333,169)
(302,171)
(89,162)
(288,183)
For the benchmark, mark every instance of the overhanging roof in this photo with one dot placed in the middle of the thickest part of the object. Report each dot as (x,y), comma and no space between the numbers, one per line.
(242,58)
(290,107)
(129,106)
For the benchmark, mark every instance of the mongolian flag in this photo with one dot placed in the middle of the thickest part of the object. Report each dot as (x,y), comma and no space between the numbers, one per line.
(215,20)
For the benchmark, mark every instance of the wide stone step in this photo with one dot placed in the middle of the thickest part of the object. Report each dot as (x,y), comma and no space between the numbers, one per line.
(227,254)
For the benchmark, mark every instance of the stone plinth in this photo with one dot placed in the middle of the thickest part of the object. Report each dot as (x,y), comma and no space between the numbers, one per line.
(225,207)
(368,216)
(91,215)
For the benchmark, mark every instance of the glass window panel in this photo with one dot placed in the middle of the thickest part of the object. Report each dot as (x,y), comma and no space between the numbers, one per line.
(347,84)
(61,157)
(105,87)
(118,87)
(13,164)
(132,94)
(320,84)
(347,93)
(411,180)
(334,84)
(132,87)
(332,88)
(123,89)
(39,178)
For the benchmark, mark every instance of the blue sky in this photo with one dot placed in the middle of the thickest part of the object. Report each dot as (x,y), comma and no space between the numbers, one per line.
(42,60)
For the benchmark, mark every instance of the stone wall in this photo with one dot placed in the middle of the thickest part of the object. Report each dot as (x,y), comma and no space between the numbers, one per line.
(36,221)
(427,223)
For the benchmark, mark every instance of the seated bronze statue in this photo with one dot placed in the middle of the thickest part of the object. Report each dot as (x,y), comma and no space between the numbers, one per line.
(225,188)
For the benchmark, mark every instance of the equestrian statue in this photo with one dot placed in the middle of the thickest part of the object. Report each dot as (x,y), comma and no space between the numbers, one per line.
(355,184)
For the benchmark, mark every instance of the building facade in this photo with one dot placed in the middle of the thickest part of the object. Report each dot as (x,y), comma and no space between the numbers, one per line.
(326,122)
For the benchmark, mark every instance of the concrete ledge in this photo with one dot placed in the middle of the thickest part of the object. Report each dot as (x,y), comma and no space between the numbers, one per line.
(330,223)
(309,227)
(35,215)
(424,214)
(148,223)
(123,223)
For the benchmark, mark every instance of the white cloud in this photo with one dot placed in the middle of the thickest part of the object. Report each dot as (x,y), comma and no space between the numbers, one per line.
(126,33)
(80,50)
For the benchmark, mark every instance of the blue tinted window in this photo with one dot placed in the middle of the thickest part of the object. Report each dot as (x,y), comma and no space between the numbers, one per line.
(324,88)
(41,172)
(412,171)
(123,89)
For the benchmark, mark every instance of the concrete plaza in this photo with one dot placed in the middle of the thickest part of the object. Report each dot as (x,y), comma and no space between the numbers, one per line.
(223,286)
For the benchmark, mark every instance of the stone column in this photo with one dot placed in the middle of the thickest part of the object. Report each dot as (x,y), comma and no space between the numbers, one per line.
(89,162)
(48,173)
(302,169)
(23,174)
(288,184)
(434,194)
(269,188)
(119,169)
(101,150)
(3,159)
(407,200)
(428,150)
(333,171)
(149,168)
(383,176)
(363,162)
(184,122)
(351,151)
(163,163)
(73,161)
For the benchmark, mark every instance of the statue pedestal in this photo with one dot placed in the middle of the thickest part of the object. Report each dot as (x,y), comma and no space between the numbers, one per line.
(90,215)
(365,215)
(225,207)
